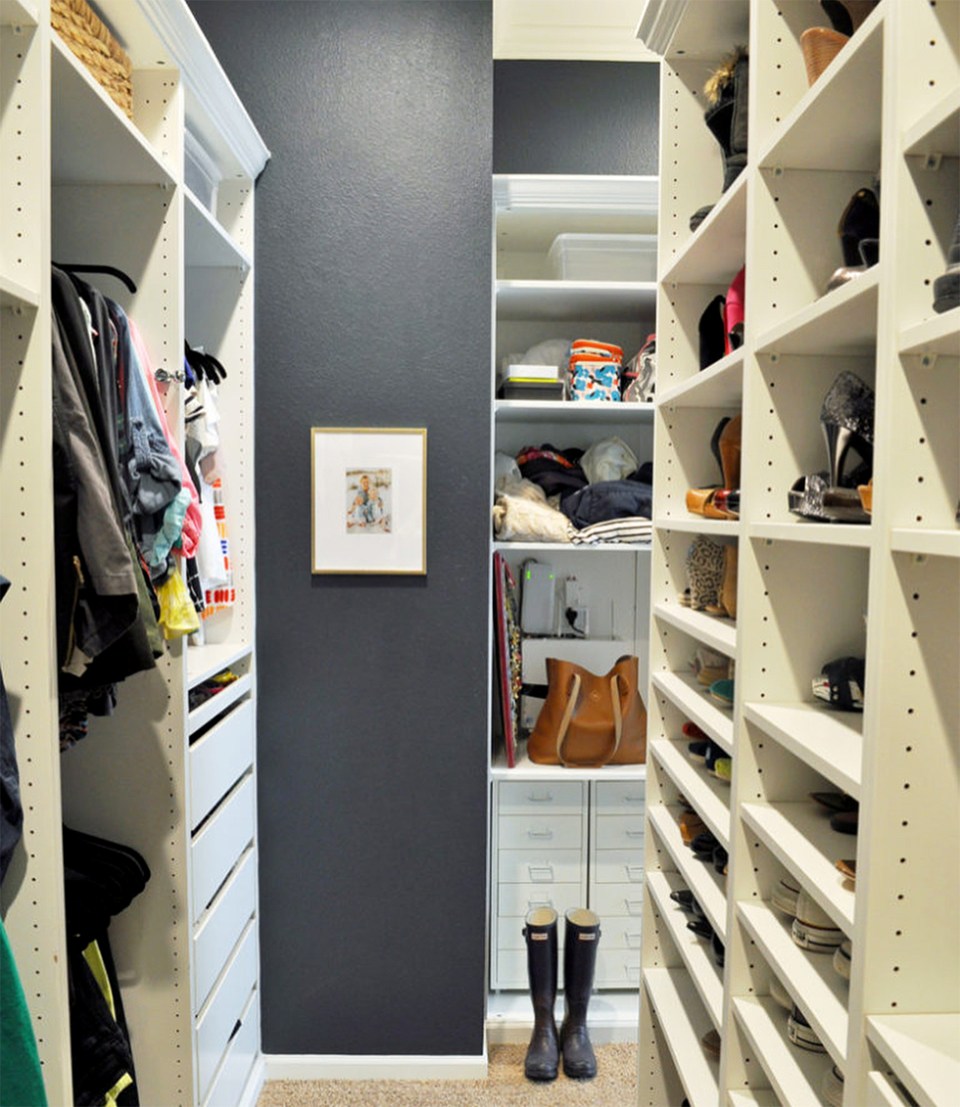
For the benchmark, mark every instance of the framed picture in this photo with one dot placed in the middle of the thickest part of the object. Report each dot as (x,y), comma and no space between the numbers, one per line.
(369,500)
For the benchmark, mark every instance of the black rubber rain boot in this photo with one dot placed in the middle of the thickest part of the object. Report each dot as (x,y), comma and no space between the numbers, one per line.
(579,961)
(543,1053)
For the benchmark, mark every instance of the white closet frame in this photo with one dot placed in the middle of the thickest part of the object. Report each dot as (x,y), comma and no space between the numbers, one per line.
(808,592)
(81,182)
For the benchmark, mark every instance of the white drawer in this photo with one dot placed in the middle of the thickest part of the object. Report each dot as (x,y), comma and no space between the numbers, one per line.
(219,759)
(516,900)
(528,797)
(556,866)
(216,848)
(221,926)
(620,832)
(618,866)
(612,900)
(619,932)
(229,1083)
(618,797)
(617,968)
(541,831)
(216,1024)
(511,970)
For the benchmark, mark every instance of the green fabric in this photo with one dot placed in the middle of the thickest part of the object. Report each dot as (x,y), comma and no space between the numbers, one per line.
(21,1084)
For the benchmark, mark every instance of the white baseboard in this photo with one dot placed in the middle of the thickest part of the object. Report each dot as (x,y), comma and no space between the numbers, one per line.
(296,1066)
(251,1093)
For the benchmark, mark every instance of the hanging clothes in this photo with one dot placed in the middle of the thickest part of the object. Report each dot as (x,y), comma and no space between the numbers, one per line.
(21,1079)
(11,809)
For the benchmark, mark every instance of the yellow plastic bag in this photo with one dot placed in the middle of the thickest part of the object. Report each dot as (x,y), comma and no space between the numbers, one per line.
(178,616)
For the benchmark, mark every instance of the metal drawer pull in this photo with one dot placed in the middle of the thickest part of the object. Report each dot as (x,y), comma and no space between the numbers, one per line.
(541,874)
(632,940)
(634,906)
(635,833)
(533,904)
(547,797)
(544,835)
(635,873)
(633,799)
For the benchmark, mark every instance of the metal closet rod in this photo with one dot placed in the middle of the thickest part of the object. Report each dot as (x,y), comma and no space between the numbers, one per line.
(106,270)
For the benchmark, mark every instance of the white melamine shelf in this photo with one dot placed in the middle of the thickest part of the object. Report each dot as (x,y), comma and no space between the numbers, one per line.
(525,769)
(713,630)
(697,953)
(923,1051)
(570,198)
(939,335)
(705,28)
(571,547)
(207,661)
(820,534)
(206,243)
(882,1092)
(17,296)
(829,741)
(748,1097)
(699,524)
(819,991)
(219,703)
(18,13)
(692,699)
(843,321)
(719,385)
(799,835)
(709,795)
(700,877)
(796,1074)
(684,1022)
(714,253)
(937,131)
(571,411)
(932,543)
(568,301)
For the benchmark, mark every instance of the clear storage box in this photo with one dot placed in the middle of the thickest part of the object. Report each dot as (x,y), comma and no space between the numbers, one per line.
(604,257)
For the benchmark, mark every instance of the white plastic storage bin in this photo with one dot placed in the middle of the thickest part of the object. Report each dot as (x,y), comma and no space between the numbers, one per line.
(604,257)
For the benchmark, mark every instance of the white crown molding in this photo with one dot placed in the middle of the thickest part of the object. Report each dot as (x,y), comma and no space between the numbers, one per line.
(658,23)
(638,195)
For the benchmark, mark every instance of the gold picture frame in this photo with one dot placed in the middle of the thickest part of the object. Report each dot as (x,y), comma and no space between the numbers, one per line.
(368,500)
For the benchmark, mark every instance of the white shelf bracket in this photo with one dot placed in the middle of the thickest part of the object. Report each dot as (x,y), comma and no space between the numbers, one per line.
(932,160)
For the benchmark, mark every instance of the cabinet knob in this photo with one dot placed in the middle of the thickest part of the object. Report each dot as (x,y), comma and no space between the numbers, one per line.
(543,835)
(541,874)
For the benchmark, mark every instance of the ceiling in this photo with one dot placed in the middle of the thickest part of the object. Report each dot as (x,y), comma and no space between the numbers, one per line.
(583,30)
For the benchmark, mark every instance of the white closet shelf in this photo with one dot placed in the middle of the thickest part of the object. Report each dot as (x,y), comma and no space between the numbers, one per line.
(570,547)
(569,194)
(568,301)
(829,741)
(932,543)
(937,131)
(684,1022)
(843,321)
(719,385)
(750,1097)
(712,630)
(697,953)
(939,335)
(93,142)
(525,769)
(923,1051)
(819,534)
(17,296)
(710,796)
(206,661)
(18,13)
(883,1091)
(801,838)
(219,703)
(698,524)
(701,878)
(566,411)
(817,989)
(836,124)
(206,243)
(691,698)
(796,1074)
(714,252)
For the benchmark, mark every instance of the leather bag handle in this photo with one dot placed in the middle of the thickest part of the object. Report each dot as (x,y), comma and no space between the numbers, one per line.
(568,716)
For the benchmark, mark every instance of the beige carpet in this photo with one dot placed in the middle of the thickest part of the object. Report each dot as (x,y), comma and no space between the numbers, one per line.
(614,1086)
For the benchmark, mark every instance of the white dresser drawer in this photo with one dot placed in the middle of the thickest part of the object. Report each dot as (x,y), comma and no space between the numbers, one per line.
(516,900)
(557,866)
(617,968)
(619,932)
(620,832)
(234,1072)
(219,1018)
(222,924)
(219,759)
(618,866)
(612,900)
(542,830)
(511,971)
(619,797)
(529,797)
(218,845)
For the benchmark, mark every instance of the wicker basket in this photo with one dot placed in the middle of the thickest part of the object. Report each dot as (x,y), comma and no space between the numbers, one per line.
(820,46)
(84,32)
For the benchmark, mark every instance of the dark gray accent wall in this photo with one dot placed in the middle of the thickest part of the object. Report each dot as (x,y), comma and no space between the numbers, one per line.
(373,309)
(576,117)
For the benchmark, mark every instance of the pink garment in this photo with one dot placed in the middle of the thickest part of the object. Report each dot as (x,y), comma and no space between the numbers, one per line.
(190,535)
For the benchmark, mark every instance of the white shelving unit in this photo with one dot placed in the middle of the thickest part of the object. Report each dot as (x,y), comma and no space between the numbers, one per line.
(887,107)
(82,183)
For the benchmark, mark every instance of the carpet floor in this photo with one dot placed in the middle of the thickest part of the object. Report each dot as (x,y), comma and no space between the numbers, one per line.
(615,1085)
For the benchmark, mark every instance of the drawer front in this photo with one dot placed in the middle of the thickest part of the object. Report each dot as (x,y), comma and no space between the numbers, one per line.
(511,971)
(221,926)
(617,969)
(620,797)
(618,866)
(540,831)
(617,900)
(230,1081)
(215,850)
(216,1025)
(558,866)
(619,932)
(530,797)
(516,900)
(219,759)
(620,832)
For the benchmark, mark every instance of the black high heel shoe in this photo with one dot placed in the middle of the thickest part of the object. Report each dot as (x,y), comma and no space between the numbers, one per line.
(859,233)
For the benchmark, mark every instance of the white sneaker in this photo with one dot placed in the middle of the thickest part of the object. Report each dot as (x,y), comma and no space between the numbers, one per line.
(813,929)
(832,1087)
(842,957)
(784,896)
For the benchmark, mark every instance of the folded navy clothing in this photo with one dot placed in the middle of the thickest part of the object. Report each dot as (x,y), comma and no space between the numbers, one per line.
(608,499)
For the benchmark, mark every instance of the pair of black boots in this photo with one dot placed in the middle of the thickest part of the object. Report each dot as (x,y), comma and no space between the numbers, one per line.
(579,962)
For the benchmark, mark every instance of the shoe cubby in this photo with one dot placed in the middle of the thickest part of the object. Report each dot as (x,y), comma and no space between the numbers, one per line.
(706,793)
(686,461)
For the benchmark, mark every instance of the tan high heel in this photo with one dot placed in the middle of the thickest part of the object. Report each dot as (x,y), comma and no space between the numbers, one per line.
(729,445)
(820,46)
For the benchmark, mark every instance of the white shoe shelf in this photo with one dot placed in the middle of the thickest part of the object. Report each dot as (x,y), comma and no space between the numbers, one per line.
(885,114)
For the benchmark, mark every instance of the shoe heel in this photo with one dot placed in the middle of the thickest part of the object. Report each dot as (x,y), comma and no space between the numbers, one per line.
(838,440)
